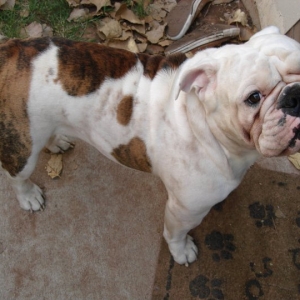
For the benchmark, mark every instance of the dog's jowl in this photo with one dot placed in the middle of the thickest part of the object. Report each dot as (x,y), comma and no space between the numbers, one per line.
(197,123)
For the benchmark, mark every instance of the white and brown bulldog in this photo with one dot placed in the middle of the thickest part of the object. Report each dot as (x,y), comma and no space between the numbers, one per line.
(197,123)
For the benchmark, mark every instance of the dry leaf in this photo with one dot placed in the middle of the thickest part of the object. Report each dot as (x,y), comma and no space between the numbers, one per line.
(138,28)
(34,30)
(128,15)
(239,17)
(98,3)
(110,28)
(129,45)
(78,14)
(156,11)
(295,160)
(142,47)
(47,30)
(24,13)
(7,4)
(165,43)
(54,165)
(73,2)
(156,33)
(169,4)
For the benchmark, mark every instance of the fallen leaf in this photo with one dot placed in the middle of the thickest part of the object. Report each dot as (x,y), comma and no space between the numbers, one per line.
(239,17)
(78,14)
(73,2)
(54,166)
(129,44)
(128,15)
(169,4)
(142,47)
(156,11)
(98,3)
(7,4)
(156,32)
(165,43)
(295,160)
(24,13)
(111,29)
(47,30)
(138,28)
(34,30)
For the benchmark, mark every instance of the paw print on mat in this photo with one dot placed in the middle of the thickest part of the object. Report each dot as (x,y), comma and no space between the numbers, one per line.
(204,288)
(264,214)
(223,243)
(253,290)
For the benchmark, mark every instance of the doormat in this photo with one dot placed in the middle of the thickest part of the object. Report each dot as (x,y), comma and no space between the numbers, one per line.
(249,246)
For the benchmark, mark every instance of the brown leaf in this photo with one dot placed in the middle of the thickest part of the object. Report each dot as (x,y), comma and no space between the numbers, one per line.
(142,47)
(7,4)
(73,3)
(98,3)
(295,160)
(129,44)
(110,28)
(156,32)
(78,14)
(54,166)
(128,15)
(34,30)
(165,43)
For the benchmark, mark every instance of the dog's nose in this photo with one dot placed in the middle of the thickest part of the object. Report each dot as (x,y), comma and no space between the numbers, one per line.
(289,100)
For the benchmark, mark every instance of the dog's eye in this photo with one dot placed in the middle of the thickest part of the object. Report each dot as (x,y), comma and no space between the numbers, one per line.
(254,98)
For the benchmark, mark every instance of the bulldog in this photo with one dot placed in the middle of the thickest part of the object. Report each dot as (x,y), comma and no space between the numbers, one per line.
(197,123)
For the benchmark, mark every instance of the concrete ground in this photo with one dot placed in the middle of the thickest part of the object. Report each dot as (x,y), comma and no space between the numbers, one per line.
(98,238)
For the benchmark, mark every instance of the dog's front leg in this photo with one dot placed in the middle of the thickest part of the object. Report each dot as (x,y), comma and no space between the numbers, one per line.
(179,220)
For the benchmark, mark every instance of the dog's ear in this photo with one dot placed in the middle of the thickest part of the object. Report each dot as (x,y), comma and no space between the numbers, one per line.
(195,74)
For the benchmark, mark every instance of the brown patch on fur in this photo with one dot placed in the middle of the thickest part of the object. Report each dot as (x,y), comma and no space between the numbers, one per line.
(84,66)
(124,110)
(155,63)
(15,75)
(133,155)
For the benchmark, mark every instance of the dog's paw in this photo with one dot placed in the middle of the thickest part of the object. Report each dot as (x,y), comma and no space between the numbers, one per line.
(31,198)
(184,252)
(59,144)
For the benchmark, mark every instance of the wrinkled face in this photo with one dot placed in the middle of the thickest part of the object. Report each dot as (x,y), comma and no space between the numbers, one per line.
(251,94)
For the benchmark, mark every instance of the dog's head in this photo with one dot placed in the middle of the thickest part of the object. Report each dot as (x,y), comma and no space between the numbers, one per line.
(250,93)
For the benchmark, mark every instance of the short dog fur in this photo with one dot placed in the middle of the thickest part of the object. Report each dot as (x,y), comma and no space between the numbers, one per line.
(197,123)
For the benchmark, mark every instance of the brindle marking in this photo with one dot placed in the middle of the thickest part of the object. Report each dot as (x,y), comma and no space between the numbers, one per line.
(15,76)
(133,155)
(124,110)
(84,66)
(153,64)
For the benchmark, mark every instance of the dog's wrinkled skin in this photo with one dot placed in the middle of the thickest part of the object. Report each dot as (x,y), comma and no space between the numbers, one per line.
(197,123)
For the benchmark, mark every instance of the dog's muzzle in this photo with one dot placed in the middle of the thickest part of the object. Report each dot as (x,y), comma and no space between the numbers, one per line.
(289,100)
